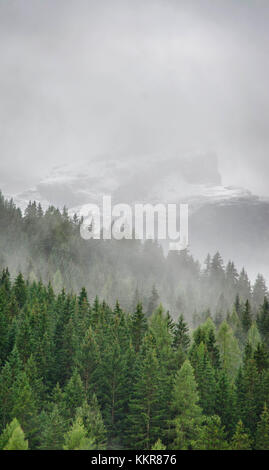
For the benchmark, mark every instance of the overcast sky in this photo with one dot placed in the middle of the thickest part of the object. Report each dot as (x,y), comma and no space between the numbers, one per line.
(139,77)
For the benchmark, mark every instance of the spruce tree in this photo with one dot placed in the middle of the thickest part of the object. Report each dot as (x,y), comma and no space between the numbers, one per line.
(229,350)
(259,292)
(205,378)
(211,436)
(262,435)
(246,317)
(13,437)
(158,445)
(225,404)
(254,338)
(186,411)
(241,439)
(20,290)
(153,301)
(8,378)
(144,422)
(138,327)
(248,393)
(263,320)
(76,438)
(87,359)
(24,407)
(53,427)
(74,395)
(181,335)
(91,417)
(261,357)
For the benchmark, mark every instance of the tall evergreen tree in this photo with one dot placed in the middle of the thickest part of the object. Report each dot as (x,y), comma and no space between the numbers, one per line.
(91,417)
(225,405)
(76,438)
(53,426)
(144,404)
(262,436)
(74,395)
(13,437)
(138,327)
(181,335)
(246,317)
(211,435)
(153,301)
(229,350)
(241,439)
(186,411)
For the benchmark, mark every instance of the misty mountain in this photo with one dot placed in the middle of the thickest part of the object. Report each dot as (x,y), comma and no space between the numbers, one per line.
(229,219)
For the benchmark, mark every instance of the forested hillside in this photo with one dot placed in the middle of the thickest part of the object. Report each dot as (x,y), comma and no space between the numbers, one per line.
(112,345)
(76,375)
(47,245)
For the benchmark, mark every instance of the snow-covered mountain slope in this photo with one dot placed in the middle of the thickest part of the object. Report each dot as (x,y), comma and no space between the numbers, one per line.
(148,178)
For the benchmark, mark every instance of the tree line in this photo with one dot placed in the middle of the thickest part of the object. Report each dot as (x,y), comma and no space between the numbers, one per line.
(46,244)
(76,374)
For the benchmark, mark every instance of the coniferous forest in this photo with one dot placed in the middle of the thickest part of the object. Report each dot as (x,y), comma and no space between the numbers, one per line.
(112,345)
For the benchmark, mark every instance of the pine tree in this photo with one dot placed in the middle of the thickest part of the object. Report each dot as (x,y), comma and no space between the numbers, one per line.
(83,314)
(153,301)
(246,317)
(181,335)
(248,393)
(35,381)
(91,417)
(144,405)
(138,327)
(205,334)
(13,437)
(87,359)
(65,338)
(229,350)
(244,287)
(20,290)
(211,435)
(24,407)
(261,357)
(213,349)
(205,378)
(5,281)
(4,325)
(23,337)
(53,427)
(76,438)
(231,276)
(262,436)
(253,337)
(225,405)
(136,299)
(74,394)
(217,274)
(241,439)
(158,445)
(248,353)
(263,320)
(112,374)
(8,377)
(238,306)
(160,329)
(6,401)
(57,398)
(259,292)
(187,414)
